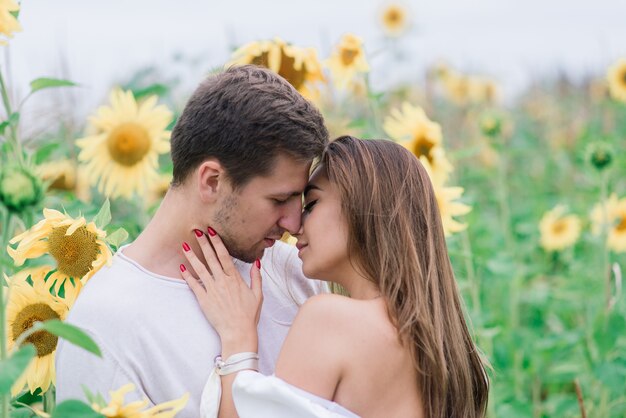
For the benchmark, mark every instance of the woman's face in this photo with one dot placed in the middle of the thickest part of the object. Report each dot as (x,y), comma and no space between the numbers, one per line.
(323,236)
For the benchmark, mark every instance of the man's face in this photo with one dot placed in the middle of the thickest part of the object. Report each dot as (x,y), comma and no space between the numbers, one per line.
(250,219)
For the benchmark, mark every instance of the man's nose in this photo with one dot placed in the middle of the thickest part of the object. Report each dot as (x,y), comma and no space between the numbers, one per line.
(291,217)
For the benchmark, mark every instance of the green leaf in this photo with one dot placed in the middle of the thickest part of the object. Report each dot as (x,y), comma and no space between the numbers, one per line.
(12,120)
(75,409)
(12,368)
(46,83)
(43,152)
(103,217)
(92,398)
(22,413)
(72,334)
(117,237)
(154,89)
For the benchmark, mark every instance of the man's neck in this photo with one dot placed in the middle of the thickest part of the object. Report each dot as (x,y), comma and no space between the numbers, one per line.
(158,247)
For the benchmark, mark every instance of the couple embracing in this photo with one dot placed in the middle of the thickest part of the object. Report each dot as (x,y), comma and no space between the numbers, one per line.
(208,300)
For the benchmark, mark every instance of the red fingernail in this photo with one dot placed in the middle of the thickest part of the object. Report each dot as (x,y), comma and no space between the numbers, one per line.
(198,233)
(257,263)
(183,268)
(186,246)
(211,231)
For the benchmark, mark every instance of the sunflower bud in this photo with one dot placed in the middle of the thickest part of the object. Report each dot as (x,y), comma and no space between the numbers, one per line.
(600,155)
(19,188)
(491,125)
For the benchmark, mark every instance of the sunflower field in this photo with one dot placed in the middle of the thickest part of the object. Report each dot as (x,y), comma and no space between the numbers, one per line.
(532,195)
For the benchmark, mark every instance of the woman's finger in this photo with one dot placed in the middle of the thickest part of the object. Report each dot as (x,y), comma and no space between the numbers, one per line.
(192,282)
(222,253)
(209,254)
(256,283)
(197,265)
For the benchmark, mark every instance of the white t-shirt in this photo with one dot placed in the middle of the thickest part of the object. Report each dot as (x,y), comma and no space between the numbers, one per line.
(152,332)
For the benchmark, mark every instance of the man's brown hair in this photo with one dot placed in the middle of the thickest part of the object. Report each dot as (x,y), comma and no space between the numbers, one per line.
(245,117)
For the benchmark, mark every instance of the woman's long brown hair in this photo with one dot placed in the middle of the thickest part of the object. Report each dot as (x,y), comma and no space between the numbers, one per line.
(396,240)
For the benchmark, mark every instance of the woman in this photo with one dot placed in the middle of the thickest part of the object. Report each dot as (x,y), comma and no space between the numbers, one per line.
(399,345)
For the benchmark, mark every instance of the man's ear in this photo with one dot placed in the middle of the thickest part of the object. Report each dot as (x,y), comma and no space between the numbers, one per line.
(211,179)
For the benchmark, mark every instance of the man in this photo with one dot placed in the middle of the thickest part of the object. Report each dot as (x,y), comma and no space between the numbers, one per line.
(241,149)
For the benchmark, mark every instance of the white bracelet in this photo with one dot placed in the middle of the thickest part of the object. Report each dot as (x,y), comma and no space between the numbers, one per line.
(236,363)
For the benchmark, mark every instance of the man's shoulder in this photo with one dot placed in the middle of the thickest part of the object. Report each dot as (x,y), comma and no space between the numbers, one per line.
(282,268)
(111,294)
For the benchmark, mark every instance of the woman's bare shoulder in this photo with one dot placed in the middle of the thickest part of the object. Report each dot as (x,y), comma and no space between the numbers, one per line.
(342,317)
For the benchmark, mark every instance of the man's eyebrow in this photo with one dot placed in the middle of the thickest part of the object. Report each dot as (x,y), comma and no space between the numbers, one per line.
(288,194)
(310,187)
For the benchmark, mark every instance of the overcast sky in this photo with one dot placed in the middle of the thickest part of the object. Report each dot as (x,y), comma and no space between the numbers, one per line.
(99,42)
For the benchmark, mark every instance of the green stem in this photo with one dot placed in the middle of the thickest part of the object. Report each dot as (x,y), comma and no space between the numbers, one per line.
(536,394)
(518,354)
(503,200)
(4,399)
(49,400)
(6,227)
(471,273)
(604,404)
(606,274)
(9,110)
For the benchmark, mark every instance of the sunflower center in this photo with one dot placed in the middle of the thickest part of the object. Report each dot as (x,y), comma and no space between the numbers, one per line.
(559,227)
(394,17)
(423,146)
(128,143)
(621,226)
(295,77)
(348,56)
(74,253)
(44,342)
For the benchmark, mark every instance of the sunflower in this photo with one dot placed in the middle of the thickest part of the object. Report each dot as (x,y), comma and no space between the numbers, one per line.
(446,200)
(117,409)
(30,301)
(616,222)
(457,88)
(158,190)
(121,152)
(20,188)
(558,231)
(299,66)
(347,60)
(394,19)
(616,77)
(289,239)
(77,247)
(8,22)
(412,128)
(61,174)
(481,90)
(66,175)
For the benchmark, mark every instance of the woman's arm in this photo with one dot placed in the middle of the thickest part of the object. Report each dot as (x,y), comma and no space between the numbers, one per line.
(231,307)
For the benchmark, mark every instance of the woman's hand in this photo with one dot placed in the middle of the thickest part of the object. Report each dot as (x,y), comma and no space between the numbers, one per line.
(228,303)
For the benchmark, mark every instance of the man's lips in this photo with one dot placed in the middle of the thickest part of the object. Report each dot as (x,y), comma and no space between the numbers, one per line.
(270,241)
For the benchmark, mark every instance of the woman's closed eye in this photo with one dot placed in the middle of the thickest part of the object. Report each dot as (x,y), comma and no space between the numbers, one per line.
(309,206)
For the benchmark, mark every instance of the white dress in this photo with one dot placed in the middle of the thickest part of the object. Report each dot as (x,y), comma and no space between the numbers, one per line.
(258,396)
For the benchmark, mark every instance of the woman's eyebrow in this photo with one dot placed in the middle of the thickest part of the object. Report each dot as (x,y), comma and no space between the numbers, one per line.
(310,187)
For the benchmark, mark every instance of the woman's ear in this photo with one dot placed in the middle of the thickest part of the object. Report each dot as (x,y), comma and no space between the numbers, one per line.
(211,178)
